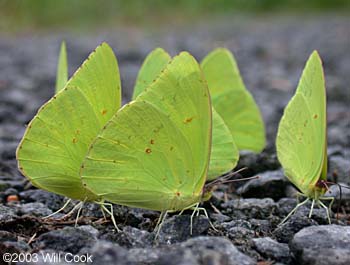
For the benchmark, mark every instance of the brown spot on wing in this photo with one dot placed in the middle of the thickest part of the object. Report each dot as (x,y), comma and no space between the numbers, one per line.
(104,111)
(188,120)
(148,151)
(152,141)
(315,116)
(75,140)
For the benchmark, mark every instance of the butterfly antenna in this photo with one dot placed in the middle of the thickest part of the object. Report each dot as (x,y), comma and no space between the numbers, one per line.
(339,203)
(235,180)
(224,178)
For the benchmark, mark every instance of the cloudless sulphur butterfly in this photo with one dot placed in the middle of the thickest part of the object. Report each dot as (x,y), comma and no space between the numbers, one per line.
(302,139)
(233,101)
(57,139)
(224,154)
(154,153)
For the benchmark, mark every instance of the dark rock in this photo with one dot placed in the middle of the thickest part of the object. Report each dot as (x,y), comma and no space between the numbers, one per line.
(285,232)
(319,214)
(219,218)
(11,191)
(4,185)
(68,239)
(130,237)
(322,245)
(270,249)
(203,248)
(249,208)
(270,184)
(7,214)
(51,200)
(177,228)
(256,163)
(14,247)
(7,236)
(261,227)
(34,208)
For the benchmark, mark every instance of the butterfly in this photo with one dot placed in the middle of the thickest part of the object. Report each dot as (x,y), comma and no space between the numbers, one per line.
(224,153)
(57,139)
(302,138)
(154,153)
(232,100)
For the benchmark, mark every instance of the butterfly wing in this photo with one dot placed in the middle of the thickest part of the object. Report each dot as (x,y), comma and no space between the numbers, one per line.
(57,139)
(62,69)
(154,153)
(232,100)
(312,87)
(224,152)
(301,134)
(154,63)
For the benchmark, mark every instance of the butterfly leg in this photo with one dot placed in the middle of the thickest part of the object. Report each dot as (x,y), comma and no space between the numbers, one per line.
(195,209)
(60,210)
(110,212)
(312,208)
(103,213)
(324,206)
(328,199)
(293,211)
(77,206)
(207,216)
(160,222)
(299,194)
(78,214)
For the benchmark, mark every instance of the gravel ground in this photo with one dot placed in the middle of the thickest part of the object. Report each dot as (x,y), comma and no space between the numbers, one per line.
(271,53)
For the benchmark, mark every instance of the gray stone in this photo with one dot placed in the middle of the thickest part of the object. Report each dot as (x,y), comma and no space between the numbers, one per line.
(322,245)
(256,163)
(177,228)
(7,214)
(319,214)
(340,167)
(107,253)
(34,208)
(285,232)
(249,208)
(68,239)
(270,184)
(51,200)
(271,249)
(129,237)
(228,253)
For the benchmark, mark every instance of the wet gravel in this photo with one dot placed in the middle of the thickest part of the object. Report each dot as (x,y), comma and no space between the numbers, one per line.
(271,53)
